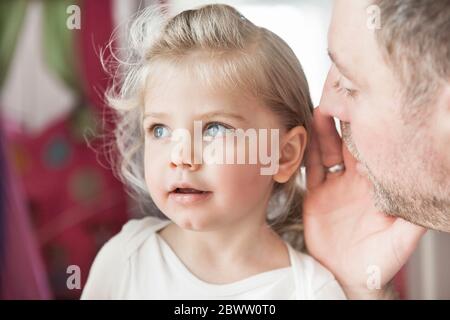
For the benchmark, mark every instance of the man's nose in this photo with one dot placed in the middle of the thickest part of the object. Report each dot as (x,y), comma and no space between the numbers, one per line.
(331,102)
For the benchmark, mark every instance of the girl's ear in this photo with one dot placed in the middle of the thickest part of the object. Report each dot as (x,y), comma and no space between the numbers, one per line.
(292,148)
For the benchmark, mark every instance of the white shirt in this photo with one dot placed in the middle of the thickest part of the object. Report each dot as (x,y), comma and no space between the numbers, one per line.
(137,263)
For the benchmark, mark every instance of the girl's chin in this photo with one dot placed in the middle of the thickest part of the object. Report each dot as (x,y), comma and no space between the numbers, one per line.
(193,221)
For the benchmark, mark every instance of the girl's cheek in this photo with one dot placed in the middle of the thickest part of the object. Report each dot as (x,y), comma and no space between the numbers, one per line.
(154,163)
(238,177)
(239,180)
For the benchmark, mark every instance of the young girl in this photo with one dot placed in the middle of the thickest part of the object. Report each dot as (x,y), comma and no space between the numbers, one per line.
(233,230)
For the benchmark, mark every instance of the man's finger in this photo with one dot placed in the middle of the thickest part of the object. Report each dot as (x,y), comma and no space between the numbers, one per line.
(315,172)
(349,160)
(330,142)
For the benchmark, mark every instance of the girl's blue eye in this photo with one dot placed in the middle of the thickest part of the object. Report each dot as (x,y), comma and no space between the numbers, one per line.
(215,130)
(160,131)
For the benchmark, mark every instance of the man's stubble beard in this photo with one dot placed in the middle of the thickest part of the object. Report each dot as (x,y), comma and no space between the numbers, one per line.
(390,197)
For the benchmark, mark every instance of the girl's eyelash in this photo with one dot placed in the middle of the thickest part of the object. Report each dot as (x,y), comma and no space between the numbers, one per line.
(347,92)
(219,123)
(153,125)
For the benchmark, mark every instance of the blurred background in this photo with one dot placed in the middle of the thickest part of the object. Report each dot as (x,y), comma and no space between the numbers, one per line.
(59,200)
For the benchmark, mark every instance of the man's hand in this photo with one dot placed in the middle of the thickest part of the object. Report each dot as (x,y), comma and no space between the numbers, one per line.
(343,229)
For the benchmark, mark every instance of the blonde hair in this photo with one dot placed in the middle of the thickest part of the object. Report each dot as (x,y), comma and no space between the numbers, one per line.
(240,56)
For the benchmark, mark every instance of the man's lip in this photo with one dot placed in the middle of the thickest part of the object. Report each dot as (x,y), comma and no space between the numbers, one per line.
(361,169)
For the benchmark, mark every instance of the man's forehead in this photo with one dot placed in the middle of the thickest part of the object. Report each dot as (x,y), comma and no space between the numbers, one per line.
(350,42)
(352,8)
(348,27)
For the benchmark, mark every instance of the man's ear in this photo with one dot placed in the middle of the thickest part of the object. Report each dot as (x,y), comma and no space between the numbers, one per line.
(292,148)
(442,120)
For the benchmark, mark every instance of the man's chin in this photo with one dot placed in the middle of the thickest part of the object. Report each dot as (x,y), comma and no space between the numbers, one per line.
(429,213)
(436,226)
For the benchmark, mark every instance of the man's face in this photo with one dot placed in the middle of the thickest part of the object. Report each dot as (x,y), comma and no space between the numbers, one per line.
(402,156)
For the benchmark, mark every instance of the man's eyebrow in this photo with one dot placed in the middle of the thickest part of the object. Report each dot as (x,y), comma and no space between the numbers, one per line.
(207,115)
(341,67)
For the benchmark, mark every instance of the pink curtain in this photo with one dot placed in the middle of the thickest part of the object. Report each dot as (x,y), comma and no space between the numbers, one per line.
(22,270)
(73,202)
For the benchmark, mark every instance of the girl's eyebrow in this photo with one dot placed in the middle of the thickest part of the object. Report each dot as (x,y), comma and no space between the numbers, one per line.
(230,115)
(207,115)
(158,115)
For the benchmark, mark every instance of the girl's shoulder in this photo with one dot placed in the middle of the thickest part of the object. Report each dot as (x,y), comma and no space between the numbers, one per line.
(136,231)
(112,258)
(315,279)
(310,266)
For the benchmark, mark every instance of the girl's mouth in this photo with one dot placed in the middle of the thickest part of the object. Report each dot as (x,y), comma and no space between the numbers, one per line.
(188,191)
(187,196)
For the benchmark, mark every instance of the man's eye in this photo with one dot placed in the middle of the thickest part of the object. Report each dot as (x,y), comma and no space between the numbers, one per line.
(216,130)
(350,93)
(159,131)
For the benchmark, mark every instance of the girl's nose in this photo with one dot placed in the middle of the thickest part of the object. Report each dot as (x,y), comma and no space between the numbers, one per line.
(185,164)
(184,155)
